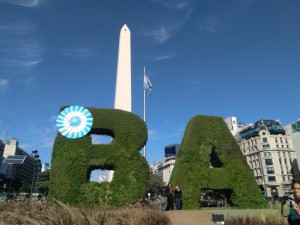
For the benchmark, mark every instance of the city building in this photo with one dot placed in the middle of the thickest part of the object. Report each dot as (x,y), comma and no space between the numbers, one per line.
(102,178)
(25,172)
(234,126)
(164,169)
(293,129)
(2,145)
(45,167)
(271,156)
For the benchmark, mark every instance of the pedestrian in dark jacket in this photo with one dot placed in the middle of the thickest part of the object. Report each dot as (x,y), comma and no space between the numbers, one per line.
(178,200)
(170,205)
(294,213)
(163,196)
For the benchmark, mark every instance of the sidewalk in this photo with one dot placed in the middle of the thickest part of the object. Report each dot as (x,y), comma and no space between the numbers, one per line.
(191,217)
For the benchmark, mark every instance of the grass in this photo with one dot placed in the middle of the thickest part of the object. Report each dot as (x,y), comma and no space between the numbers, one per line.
(269,216)
(256,220)
(57,213)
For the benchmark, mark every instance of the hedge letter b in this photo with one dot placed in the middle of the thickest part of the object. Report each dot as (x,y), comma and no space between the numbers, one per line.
(74,159)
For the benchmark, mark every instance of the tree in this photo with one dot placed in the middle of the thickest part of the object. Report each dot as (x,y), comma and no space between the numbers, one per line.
(43,182)
(154,184)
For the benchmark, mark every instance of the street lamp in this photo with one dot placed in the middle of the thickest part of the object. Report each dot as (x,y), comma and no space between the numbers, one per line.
(35,156)
(273,194)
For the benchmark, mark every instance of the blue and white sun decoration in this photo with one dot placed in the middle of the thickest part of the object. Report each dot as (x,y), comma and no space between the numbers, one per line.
(74,122)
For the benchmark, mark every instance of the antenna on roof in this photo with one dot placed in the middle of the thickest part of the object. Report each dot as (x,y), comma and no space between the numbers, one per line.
(9,121)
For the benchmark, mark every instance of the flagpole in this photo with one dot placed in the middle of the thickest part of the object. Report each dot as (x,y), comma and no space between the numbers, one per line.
(144,108)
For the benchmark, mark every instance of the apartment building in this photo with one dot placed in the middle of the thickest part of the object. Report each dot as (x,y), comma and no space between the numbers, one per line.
(270,154)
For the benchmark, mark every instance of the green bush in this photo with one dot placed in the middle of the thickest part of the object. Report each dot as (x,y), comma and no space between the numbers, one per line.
(74,159)
(208,143)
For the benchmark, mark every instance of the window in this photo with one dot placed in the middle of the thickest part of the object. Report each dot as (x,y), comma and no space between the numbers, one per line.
(269,162)
(277,146)
(266,145)
(282,146)
(272,178)
(276,140)
(267,154)
(270,170)
(280,162)
(286,141)
(296,127)
(265,140)
(280,139)
(287,146)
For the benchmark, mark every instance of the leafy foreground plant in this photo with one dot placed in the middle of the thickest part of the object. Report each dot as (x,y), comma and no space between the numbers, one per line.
(249,220)
(57,213)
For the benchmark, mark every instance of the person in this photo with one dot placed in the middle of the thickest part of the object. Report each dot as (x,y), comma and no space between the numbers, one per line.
(178,194)
(294,212)
(163,196)
(170,198)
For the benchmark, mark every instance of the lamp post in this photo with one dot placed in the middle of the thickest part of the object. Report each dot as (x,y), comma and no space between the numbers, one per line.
(273,194)
(35,156)
(39,167)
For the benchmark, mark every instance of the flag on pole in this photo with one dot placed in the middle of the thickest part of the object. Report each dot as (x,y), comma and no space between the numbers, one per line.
(147,84)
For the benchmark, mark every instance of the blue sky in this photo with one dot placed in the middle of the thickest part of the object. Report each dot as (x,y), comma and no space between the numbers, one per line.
(204,57)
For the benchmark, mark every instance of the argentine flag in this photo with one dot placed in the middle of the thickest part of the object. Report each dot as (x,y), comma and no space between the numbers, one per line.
(147,84)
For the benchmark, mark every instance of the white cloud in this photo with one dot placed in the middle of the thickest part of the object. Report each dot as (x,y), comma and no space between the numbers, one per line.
(28,81)
(3,86)
(18,48)
(151,133)
(47,142)
(82,52)
(53,118)
(20,28)
(166,30)
(20,53)
(192,86)
(164,57)
(24,3)
(25,146)
(173,4)
(160,35)
(3,82)
(211,24)
(44,136)
(39,131)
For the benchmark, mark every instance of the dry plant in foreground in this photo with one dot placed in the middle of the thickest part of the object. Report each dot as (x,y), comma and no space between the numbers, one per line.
(57,213)
(251,220)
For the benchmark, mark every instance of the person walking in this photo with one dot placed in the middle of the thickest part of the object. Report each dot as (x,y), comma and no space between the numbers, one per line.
(294,213)
(163,196)
(178,200)
(170,205)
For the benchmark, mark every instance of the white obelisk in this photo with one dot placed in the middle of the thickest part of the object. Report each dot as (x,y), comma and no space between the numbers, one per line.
(123,81)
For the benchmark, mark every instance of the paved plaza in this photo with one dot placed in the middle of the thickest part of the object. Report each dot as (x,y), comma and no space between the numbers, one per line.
(191,217)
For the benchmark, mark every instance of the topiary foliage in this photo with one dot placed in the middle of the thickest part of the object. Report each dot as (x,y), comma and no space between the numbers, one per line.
(209,157)
(74,159)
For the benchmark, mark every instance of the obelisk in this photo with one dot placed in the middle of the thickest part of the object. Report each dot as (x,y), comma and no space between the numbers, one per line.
(123,81)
